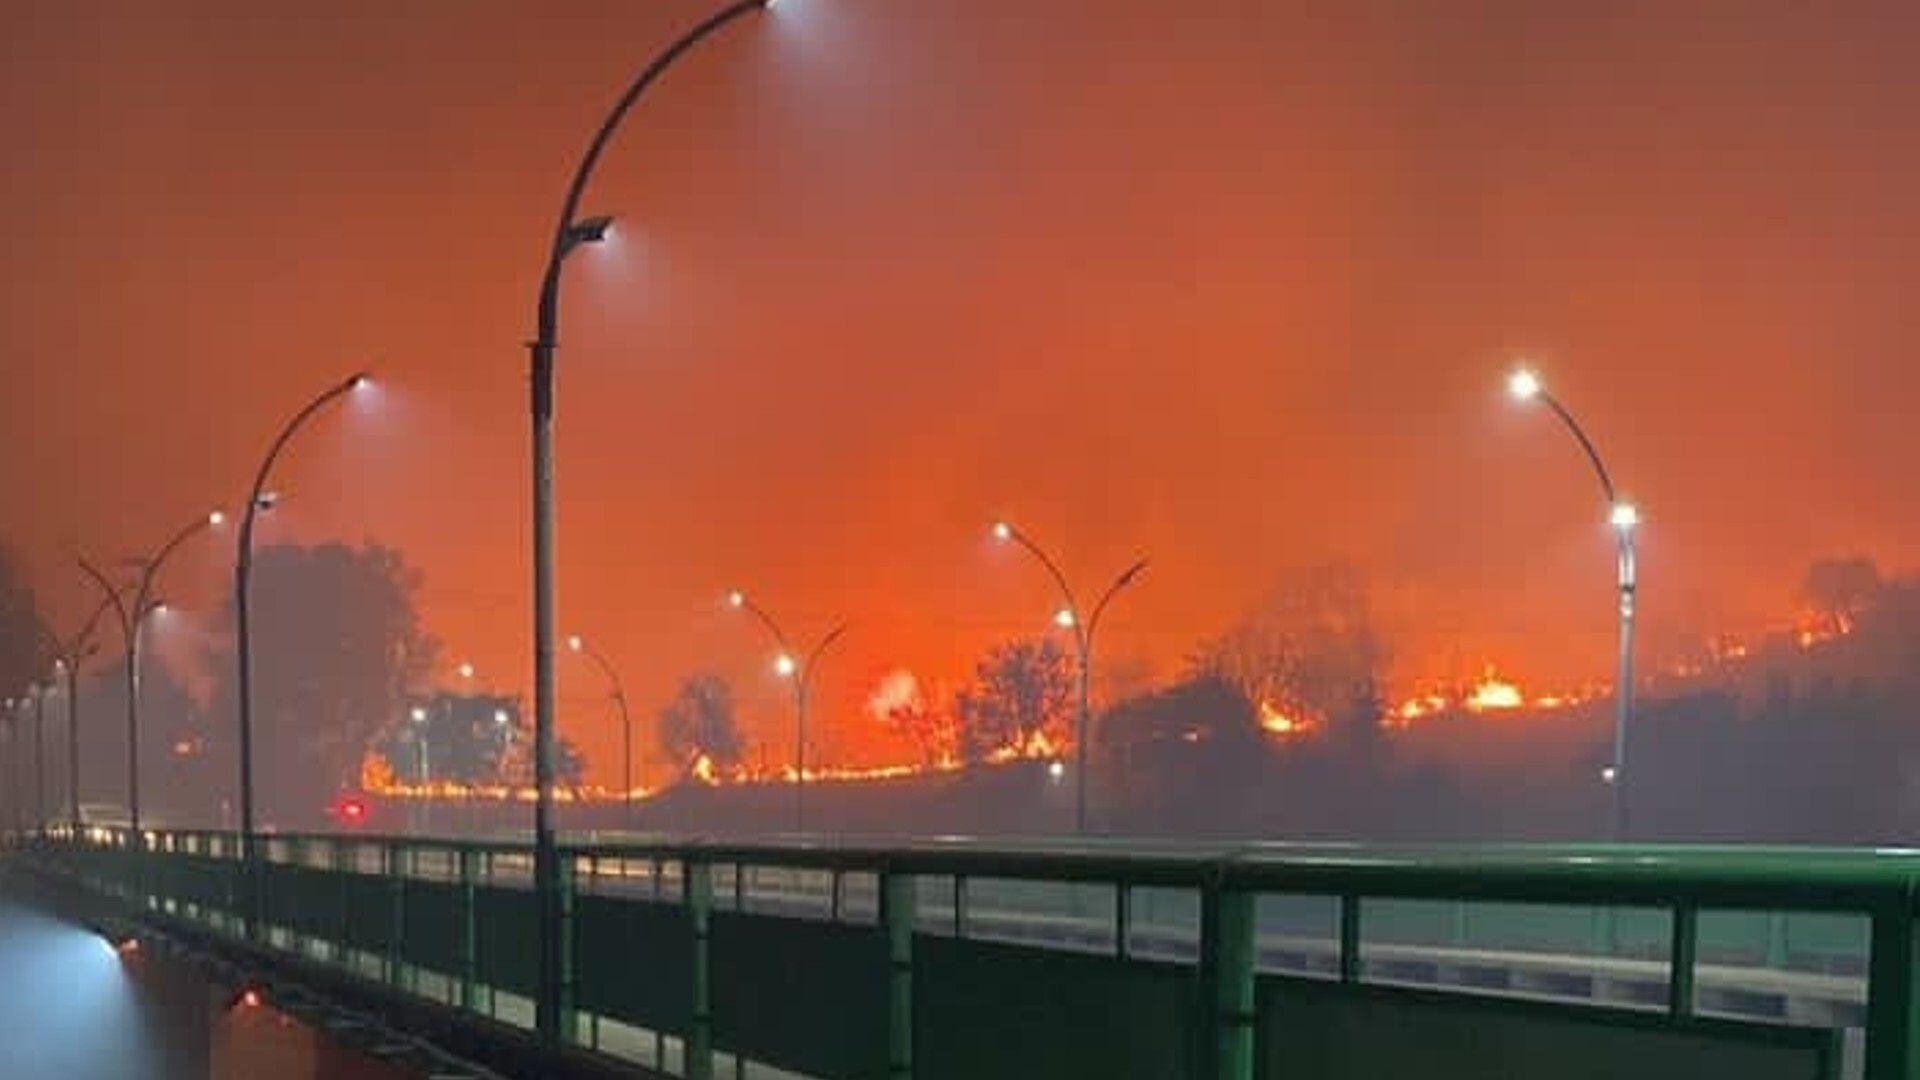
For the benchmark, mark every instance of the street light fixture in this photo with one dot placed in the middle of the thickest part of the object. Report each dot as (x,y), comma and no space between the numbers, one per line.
(132,618)
(258,499)
(67,656)
(569,233)
(800,673)
(1524,385)
(618,695)
(1068,618)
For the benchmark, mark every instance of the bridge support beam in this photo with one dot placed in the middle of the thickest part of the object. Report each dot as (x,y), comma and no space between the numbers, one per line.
(1226,983)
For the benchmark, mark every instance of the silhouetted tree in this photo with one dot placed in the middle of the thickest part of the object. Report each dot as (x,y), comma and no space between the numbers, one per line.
(1182,755)
(20,623)
(465,739)
(1021,689)
(338,651)
(901,703)
(700,721)
(1839,589)
(515,765)
(1309,650)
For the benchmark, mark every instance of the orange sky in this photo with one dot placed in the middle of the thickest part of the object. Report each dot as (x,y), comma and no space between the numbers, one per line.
(1231,285)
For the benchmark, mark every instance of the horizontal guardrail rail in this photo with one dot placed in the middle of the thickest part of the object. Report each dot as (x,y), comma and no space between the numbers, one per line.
(960,957)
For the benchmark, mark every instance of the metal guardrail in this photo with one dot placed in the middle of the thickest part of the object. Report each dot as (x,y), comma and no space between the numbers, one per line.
(669,941)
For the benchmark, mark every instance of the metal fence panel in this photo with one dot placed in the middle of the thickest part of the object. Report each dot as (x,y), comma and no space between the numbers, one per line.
(1309,1030)
(989,1009)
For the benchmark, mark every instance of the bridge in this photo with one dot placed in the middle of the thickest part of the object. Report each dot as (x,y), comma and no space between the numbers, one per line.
(964,958)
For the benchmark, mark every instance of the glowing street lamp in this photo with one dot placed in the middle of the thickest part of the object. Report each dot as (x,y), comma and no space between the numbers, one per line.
(133,620)
(1524,385)
(800,674)
(1068,618)
(67,656)
(570,232)
(259,498)
(618,695)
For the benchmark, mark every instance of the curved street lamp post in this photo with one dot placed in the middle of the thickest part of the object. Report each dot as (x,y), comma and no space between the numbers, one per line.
(618,695)
(40,814)
(67,658)
(258,499)
(133,619)
(569,233)
(1070,617)
(800,672)
(1524,385)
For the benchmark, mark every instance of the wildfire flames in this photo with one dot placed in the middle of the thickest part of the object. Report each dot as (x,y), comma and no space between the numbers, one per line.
(1275,722)
(899,694)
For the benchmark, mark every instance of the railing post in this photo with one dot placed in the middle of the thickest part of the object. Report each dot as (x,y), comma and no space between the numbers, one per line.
(699,900)
(252,889)
(469,927)
(1893,1007)
(565,877)
(1226,982)
(337,864)
(1777,948)
(1350,939)
(396,874)
(897,915)
(1681,954)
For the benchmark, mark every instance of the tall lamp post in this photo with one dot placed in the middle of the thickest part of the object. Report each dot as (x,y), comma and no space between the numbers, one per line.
(798,671)
(258,499)
(569,233)
(67,658)
(16,712)
(133,621)
(40,814)
(618,694)
(1524,385)
(1084,626)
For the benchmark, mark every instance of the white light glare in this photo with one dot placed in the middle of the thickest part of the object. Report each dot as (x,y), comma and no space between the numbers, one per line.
(1056,770)
(1064,618)
(784,665)
(1524,385)
(576,642)
(1002,531)
(736,598)
(1624,516)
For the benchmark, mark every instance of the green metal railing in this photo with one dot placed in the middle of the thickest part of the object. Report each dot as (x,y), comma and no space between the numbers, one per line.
(961,958)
